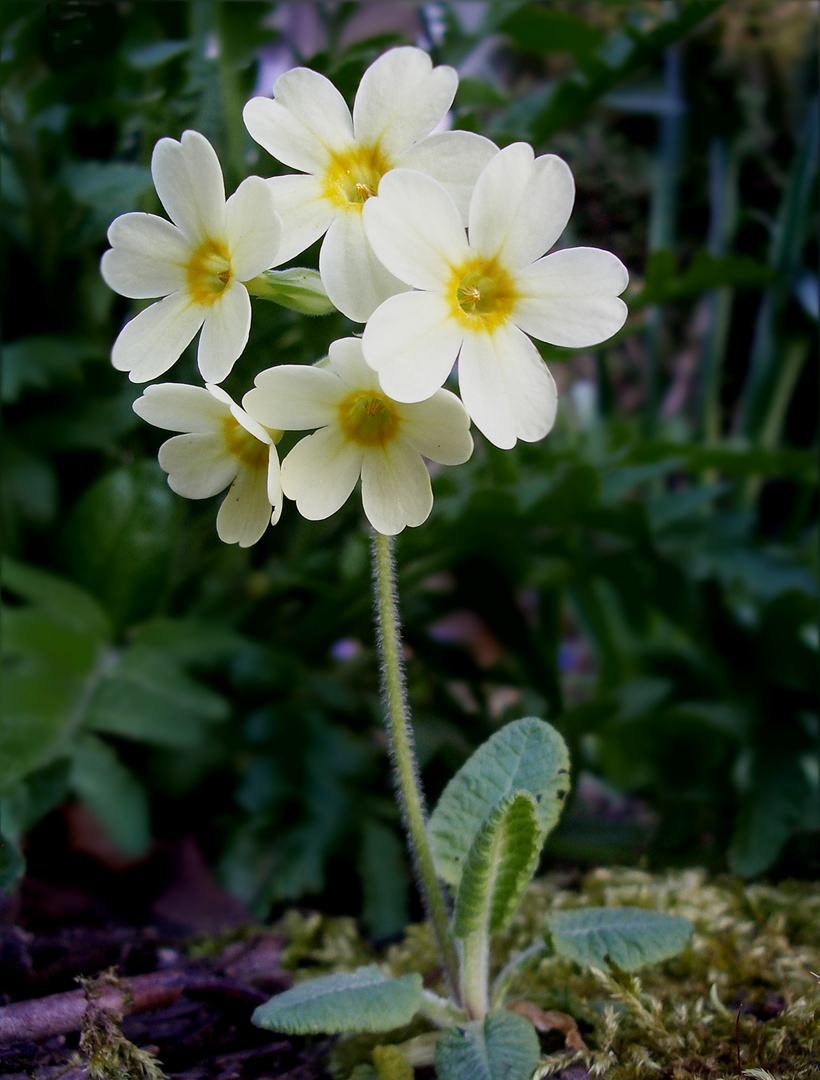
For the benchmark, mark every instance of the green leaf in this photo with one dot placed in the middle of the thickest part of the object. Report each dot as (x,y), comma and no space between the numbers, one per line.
(630,937)
(12,865)
(536,29)
(385,880)
(52,650)
(782,801)
(106,189)
(148,697)
(502,1047)
(119,539)
(526,755)
(112,793)
(157,53)
(57,598)
(358,1001)
(499,866)
(42,361)
(189,641)
(666,284)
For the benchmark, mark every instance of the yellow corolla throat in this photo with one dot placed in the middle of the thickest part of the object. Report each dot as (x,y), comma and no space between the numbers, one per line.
(368,418)
(353,175)
(209,271)
(239,442)
(482,294)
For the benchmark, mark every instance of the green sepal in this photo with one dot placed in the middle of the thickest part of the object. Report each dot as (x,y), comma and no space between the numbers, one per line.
(499,866)
(503,1046)
(297,289)
(345,1002)
(630,937)
(525,755)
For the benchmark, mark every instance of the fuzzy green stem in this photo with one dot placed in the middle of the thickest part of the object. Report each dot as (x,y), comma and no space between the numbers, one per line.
(403,757)
(475,972)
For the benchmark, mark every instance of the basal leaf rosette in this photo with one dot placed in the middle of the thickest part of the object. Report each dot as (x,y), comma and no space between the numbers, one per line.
(342,159)
(220,446)
(478,299)
(361,433)
(198,262)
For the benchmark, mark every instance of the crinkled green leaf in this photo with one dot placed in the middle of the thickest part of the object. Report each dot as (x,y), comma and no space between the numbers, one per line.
(630,937)
(504,1046)
(112,793)
(358,1001)
(499,866)
(525,755)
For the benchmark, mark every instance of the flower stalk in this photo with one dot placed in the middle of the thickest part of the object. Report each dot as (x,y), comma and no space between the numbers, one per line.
(404,760)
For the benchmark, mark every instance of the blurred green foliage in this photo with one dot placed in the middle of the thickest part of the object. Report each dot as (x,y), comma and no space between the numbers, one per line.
(646,578)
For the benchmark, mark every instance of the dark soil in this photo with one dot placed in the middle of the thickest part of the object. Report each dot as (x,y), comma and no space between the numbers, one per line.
(190,968)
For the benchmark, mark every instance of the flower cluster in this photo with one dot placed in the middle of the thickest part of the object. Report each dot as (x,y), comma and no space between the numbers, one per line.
(436,241)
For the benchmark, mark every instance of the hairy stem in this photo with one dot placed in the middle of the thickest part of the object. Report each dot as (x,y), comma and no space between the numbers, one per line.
(404,759)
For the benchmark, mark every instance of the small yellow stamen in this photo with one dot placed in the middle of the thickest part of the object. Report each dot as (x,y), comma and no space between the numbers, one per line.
(209,271)
(352,176)
(482,293)
(239,442)
(368,418)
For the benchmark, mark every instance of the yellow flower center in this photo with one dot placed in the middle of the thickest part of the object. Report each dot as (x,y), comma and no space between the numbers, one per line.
(482,293)
(209,271)
(368,418)
(239,442)
(353,175)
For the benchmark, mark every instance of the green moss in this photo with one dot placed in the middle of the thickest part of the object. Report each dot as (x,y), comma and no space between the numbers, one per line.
(107,1054)
(745,982)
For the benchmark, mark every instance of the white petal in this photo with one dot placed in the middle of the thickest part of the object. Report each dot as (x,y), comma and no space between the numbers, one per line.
(506,387)
(305,211)
(252,227)
(354,279)
(320,472)
(225,333)
(198,465)
(520,206)
(245,512)
(412,342)
(292,397)
(247,422)
(346,360)
(396,487)
(154,340)
(571,297)
(455,159)
(149,257)
(415,229)
(274,485)
(401,98)
(307,121)
(439,428)
(188,179)
(179,407)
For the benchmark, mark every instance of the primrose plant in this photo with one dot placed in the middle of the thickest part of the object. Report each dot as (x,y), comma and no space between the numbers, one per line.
(437,244)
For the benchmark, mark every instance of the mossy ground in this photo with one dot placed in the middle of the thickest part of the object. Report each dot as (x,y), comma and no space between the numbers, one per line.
(742,997)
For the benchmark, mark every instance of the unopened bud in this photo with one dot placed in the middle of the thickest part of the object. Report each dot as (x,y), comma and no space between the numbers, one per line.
(298,289)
